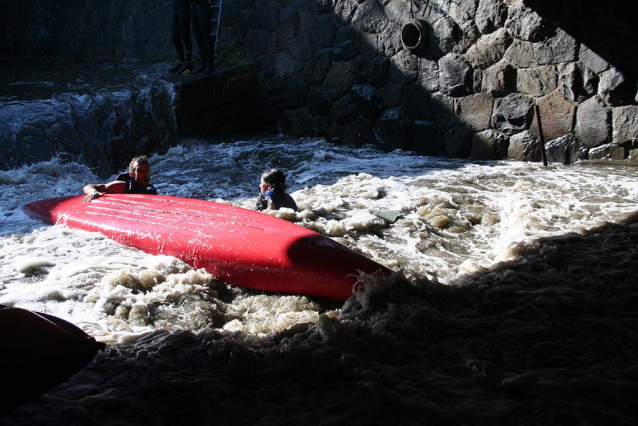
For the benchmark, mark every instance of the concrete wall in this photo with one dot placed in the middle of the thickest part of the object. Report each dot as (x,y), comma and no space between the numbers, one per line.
(338,68)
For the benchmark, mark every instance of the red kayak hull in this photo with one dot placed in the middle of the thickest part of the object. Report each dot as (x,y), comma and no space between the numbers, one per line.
(39,352)
(241,247)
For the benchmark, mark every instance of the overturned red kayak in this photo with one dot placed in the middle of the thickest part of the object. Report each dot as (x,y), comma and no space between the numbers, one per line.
(37,353)
(239,246)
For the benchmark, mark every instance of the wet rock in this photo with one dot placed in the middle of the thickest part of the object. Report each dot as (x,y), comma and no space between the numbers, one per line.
(513,113)
(490,15)
(489,145)
(499,79)
(489,49)
(593,122)
(475,111)
(557,116)
(426,138)
(537,81)
(607,152)
(524,147)
(625,124)
(455,75)
(370,17)
(391,130)
(566,150)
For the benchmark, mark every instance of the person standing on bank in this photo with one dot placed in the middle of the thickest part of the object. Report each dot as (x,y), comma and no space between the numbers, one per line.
(181,36)
(273,192)
(136,181)
(202,16)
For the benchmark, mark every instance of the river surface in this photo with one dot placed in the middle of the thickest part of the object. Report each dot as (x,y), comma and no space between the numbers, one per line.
(440,224)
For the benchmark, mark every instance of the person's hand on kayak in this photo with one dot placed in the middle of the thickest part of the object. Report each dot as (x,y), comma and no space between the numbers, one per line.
(92,196)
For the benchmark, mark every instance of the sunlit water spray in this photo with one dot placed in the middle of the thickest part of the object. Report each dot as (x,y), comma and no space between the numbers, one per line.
(420,216)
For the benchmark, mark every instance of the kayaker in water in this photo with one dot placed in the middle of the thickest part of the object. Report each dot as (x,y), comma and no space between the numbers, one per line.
(273,192)
(136,181)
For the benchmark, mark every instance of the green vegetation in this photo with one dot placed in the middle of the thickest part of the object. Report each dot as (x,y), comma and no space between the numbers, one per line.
(230,53)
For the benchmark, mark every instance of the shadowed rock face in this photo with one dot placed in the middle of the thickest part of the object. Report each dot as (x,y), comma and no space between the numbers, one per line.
(101,116)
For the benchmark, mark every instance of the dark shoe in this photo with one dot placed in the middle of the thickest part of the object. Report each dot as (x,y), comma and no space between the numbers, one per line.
(209,69)
(186,68)
(175,68)
(202,66)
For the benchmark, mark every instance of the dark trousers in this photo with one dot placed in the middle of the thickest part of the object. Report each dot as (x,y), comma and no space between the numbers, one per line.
(181,29)
(202,29)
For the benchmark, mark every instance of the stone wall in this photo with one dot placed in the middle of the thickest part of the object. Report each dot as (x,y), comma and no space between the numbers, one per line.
(339,68)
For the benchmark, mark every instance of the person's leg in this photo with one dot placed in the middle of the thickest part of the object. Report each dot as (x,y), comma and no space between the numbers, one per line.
(185,31)
(177,42)
(203,16)
(201,46)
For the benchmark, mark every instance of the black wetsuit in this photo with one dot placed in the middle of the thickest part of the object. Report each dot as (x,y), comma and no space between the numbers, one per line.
(279,199)
(181,29)
(202,29)
(133,186)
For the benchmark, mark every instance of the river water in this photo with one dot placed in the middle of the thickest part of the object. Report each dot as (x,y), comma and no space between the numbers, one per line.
(463,336)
